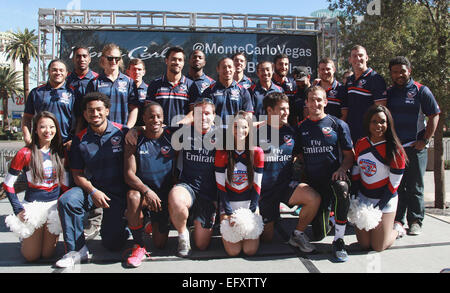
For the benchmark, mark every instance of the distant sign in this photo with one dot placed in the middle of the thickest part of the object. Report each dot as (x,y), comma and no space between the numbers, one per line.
(327,13)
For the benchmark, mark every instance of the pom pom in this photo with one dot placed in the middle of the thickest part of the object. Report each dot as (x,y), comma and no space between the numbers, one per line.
(247,225)
(230,233)
(36,215)
(365,217)
(53,221)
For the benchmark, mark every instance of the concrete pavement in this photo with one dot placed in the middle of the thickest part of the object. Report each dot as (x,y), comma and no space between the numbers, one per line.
(428,252)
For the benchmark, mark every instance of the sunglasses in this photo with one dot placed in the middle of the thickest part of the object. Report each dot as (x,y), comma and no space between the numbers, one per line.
(203,101)
(111,58)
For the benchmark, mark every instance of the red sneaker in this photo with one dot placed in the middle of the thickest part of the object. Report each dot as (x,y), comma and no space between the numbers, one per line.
(138,254)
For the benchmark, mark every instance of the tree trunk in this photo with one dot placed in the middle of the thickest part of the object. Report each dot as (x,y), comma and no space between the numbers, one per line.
(26,79)
(439,170)
(4,98)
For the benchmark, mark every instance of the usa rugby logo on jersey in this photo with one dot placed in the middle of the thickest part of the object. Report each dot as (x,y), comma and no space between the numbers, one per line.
(410,97)
(368,167)
(327,131)
(362,83)
(65,98)
(116,140)
(165,150)
(288,139)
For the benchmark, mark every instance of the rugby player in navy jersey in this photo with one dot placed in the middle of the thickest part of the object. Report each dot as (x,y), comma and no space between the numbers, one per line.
(240,64)
(228,96)
(149,173)
(363,89)
(196,195)
(79,79)
(197,61)
(325,147)
(278,184)
(171,90)
(302,80)
(119,88)
(281,78)
(416,115)
(57,97)
(264,86)
(96,162)
(334,89)
(136,70)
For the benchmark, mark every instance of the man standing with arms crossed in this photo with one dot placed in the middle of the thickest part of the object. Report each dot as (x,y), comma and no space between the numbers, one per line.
(411,104)
(363,89)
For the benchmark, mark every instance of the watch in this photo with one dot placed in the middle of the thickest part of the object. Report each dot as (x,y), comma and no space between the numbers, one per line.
(426,141)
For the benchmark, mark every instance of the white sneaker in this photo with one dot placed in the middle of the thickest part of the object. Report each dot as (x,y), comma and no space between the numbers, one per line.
(72,258)
(284,209)
(400,229)
(302,242)
(184,247)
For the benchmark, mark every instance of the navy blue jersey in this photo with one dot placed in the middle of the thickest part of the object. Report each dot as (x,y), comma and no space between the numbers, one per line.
(359,95)
(60,102)
(229,101)
(257,93)
(197,168)
(321,144)
(246,82)
(199,86)
(289,86)
(335,96)
(80,84)
(409,106)
(277,156)
(140,102)
(121,92)
(155,160)
(174,99)
(101,158)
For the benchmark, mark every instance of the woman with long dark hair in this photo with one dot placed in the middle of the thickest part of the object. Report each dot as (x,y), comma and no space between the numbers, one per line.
(238,178)
(380,162)
(36,219)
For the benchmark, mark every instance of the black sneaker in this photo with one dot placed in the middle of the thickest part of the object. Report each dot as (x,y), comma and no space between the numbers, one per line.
(339,251)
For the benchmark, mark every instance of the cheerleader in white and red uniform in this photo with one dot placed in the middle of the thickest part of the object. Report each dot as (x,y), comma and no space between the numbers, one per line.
(36,219)
(238,178)
(380,163)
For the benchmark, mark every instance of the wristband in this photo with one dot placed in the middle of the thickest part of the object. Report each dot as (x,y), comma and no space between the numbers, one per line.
(92,192)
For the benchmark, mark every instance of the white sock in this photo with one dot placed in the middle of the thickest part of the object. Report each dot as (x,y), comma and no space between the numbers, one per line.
(339,231)
(184,234)
(298,232)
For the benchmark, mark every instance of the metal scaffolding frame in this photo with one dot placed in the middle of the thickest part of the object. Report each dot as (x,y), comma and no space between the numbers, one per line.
(52,21)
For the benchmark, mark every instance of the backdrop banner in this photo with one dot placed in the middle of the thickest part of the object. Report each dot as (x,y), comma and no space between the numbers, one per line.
(151,46)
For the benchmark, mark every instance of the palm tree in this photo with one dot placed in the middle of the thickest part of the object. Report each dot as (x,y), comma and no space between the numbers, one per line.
(9,85)
(23,47)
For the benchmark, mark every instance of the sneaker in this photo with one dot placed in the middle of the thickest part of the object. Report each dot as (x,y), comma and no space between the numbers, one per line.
(302,242)
(138,254)
(72,258)
(184,247)
(284,209)
(400,229)
(339,251)
(415,229)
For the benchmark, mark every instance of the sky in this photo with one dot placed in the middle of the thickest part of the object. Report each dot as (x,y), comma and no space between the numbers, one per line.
(19,14)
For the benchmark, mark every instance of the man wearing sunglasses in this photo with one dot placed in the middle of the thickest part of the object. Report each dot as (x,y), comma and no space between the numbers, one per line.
(118,87)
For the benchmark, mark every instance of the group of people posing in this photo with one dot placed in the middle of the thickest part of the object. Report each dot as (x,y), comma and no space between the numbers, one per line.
(106,150)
